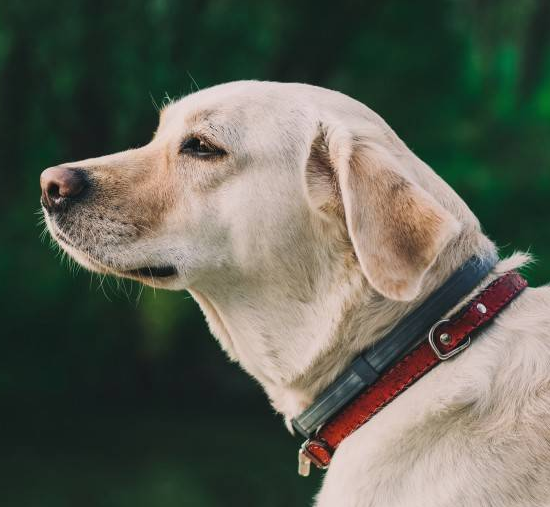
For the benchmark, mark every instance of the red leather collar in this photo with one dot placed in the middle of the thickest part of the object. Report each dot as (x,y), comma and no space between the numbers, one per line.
(446,339)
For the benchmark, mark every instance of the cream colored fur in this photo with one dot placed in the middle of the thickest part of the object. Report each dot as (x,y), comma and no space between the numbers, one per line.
(315,233)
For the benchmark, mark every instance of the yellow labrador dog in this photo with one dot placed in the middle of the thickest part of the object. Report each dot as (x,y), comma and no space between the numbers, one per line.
(305,229)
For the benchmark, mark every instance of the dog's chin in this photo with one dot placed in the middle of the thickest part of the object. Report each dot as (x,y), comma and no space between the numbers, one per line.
(159,276)
(162,275)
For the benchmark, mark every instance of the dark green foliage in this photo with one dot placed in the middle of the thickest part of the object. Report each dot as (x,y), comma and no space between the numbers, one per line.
(465,83)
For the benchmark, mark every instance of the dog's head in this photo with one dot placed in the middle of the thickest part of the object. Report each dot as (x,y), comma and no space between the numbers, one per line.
(249,177)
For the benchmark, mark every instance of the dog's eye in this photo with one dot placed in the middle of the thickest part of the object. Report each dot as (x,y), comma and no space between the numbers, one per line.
(200,148)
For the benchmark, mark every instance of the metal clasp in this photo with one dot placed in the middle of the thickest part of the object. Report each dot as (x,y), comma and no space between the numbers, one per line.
(441,355)
(305,458)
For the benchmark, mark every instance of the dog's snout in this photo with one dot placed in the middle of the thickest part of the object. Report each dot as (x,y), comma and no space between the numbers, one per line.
(60,184)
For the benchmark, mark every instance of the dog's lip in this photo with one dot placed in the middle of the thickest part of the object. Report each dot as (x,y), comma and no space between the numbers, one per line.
(153,271)
(148,272)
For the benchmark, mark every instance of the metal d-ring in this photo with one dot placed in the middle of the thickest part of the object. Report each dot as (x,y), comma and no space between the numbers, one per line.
(436,350)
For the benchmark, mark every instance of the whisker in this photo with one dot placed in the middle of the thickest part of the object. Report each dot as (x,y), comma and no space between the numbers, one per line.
(193,81)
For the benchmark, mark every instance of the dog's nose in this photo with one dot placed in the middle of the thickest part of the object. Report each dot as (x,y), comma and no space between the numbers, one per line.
(61,183)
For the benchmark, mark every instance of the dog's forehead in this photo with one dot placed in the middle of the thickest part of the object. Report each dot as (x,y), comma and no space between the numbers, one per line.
(256,114)
(241,93)
(241,104)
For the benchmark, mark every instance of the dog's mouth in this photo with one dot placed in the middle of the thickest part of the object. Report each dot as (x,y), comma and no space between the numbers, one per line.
(143,274)
(152,272)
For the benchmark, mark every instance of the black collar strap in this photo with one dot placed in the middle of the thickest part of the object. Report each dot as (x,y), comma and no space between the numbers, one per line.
(368,366)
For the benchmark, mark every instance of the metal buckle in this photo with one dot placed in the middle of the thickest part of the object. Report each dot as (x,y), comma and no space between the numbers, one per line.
(441,355)
(305,458)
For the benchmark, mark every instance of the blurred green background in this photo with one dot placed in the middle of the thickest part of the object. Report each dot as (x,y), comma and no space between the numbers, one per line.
(115,397)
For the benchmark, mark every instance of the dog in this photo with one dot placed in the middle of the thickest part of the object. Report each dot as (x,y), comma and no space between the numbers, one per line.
(305,229)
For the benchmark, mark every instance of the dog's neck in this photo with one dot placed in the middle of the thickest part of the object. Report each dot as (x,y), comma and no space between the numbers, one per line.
(296,337)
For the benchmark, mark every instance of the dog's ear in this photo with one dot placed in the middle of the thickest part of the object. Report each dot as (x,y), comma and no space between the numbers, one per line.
(396,228)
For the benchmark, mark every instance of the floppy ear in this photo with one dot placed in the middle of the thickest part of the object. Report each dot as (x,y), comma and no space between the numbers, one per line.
(397,229)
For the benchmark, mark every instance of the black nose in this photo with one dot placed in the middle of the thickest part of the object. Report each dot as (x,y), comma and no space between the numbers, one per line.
(60,184)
